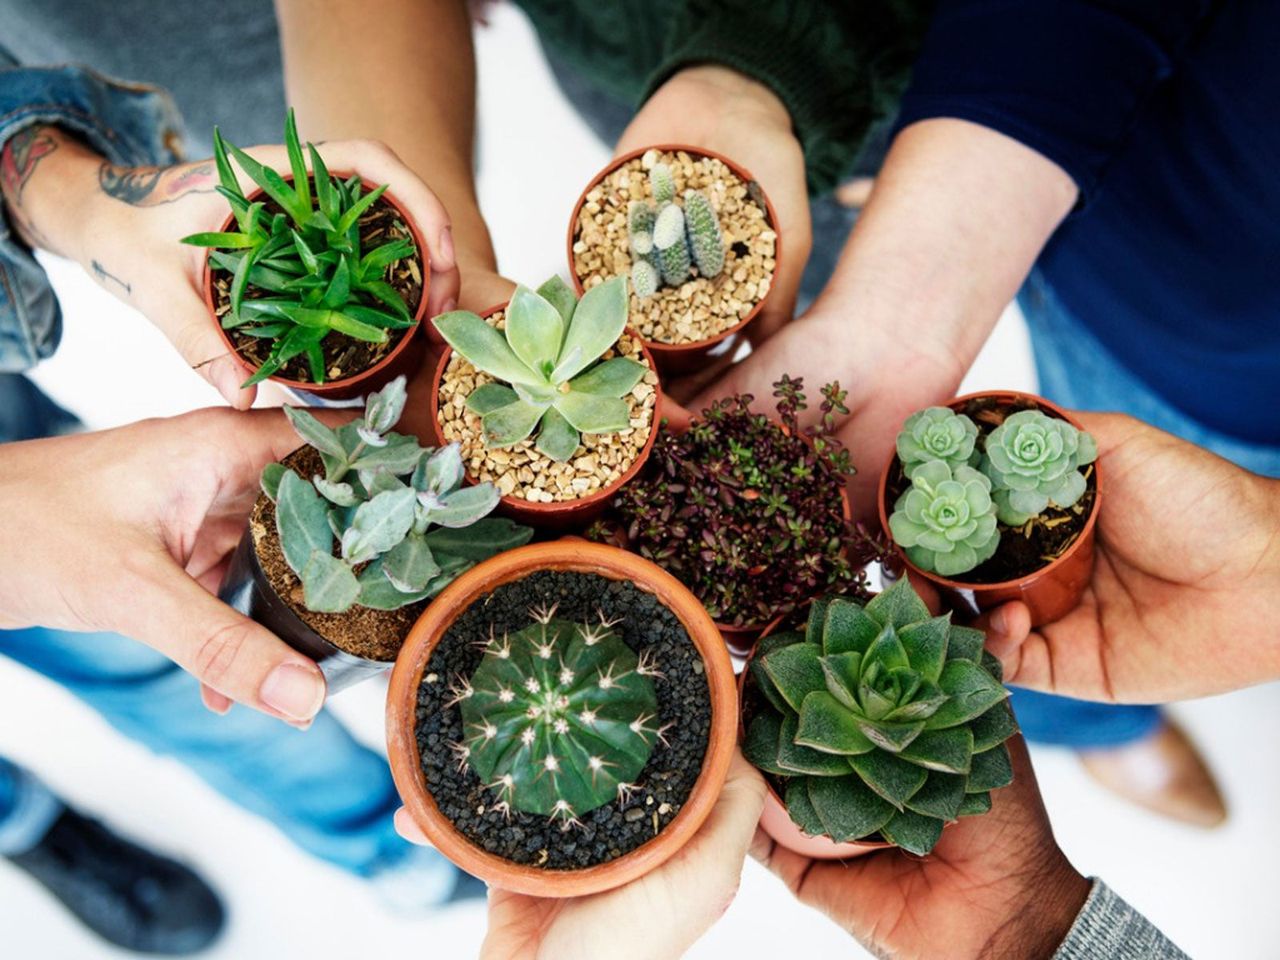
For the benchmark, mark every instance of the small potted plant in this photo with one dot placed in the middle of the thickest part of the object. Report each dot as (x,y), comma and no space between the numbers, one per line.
(697,236)
(994,498)
(315,281)
(561,719)
(748,512)
(875,724)
(550,398)
(353,533)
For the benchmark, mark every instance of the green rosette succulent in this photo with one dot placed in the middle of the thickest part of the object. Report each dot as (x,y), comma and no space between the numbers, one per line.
(946,519)
(881,721)
(937,433)
(1033,461)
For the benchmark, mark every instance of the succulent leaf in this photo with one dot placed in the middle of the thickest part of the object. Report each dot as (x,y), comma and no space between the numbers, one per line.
(937,433)
(328,584)
(1033,460)
(301,521)
(489,397)
(946,519)
(534,330)
(615,377)
(592,413)
(557,437)
(484,347)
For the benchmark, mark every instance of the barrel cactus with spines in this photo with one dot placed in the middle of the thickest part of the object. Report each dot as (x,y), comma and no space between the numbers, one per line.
(671,245)
(662,183)
(559,718)
(706,245)
(880,721)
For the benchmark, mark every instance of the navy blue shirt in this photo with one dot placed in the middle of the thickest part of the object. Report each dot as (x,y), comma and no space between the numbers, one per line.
(1167,115)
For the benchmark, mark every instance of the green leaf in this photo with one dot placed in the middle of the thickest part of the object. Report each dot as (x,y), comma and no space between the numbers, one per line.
(301,182)
(912,832)
(848,628)
(593,414)
(615,377)
(226,176)
(480,541)
(847,807)
(376,318)
(887,650)
(355,328)
(489,397)
(272,184)
(892,778)
(270,479)
(970,690)
(991,770)
(301,521)
(484,347)
(941,796)
(975,805)
(328,585)
(797,758)
(597,323)
(388,296)
(828,726)
(894,737)
(379,593)
(800,807)
(534,330)
(400,455)
(379,524)
(995,726)
(410,565)
(357,210)
(926,645)
(442,471)
(240,281)
(966,643)
(339,289)
(325,198)
(796,671)
(225,241)
(315,433)
(557,437)
(899,605)
(374,263)
(816,620)
(842,671)
(508,425)
(464,506)
(561,296)
(949,751)
(766,686)
(760,746)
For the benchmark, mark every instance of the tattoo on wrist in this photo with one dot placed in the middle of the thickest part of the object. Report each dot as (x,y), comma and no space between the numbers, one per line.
(153,186)
(21,155)
(103,275)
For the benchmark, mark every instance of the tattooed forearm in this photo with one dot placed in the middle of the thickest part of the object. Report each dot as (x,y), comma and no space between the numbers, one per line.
(18,161)
(103,275)
(152,186)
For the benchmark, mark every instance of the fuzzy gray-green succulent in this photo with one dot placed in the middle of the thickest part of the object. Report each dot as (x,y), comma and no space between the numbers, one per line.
(668,240)
(545,358)
(881,721)
(1033,461)
(403,524)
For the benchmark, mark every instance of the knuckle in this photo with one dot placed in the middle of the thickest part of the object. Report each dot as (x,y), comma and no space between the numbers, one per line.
(216,655)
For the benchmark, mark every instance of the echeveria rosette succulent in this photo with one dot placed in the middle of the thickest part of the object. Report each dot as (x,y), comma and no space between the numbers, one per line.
(1033,460)
(946,519)
(880,720)
(389,523)
(937,433)
(559,718)
(545,359)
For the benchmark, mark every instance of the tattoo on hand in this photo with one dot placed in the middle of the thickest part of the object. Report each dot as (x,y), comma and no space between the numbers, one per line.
(19,159)
(152,186)
(103,275)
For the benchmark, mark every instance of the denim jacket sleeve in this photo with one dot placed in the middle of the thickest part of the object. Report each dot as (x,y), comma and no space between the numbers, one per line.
(129,124)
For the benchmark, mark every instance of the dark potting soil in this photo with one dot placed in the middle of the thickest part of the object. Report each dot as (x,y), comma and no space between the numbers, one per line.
(1041,540)
(344,356)
(372,634)
(664,784)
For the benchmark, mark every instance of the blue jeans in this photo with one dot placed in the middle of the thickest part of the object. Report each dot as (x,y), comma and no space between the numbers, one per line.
(1075,370)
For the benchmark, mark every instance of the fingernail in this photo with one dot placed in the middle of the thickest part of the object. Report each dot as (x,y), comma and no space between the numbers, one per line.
(1000,622)
(293,690)
(445,253)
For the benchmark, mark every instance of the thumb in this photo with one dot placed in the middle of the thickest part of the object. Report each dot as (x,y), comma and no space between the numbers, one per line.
(185,320)
(226,651)
(1007,628)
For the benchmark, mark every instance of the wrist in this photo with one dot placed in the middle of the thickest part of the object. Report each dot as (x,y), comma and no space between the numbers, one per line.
(48,183)
(1043,916)
(735,92)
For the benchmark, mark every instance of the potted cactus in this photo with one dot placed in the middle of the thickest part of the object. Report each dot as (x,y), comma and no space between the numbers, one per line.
(696,235)
(315,281)
(561,719)
(353,533)
(750,513)
(994,498)
(550,398)
(875,724)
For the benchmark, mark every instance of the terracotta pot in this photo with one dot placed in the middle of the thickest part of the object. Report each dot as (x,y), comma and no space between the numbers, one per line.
(1050,592)
(685,357)
(245,588)
(774,819)
(402,706)
(405,357)
(564,514)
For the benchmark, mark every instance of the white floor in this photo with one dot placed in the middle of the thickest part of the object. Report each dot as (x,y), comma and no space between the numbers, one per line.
(1214,893)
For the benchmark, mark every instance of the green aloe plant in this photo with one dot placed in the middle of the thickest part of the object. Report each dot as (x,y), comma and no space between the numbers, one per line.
(1033,460)
(389,522)
(307,256)
(545,360)
(880,721)
(559,717)
(946,519)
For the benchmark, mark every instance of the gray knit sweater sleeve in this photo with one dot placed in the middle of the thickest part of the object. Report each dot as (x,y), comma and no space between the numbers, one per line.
(1109,929)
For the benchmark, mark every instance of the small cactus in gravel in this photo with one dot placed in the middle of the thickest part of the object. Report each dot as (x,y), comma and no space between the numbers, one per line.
(663,184)
(671,246)
(559,718)
(705,243)
(667,240)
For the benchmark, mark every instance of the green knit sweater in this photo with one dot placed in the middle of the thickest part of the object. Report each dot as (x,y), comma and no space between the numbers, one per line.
(838,65)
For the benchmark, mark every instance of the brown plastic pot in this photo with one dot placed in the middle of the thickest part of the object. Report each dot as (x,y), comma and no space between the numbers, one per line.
(677,358)
(563,514)
(1050,592)
(402,708)
(245,588)
(405,357)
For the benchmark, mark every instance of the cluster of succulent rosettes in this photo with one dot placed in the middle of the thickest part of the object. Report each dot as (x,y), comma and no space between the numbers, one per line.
(962,483)
(389,523)
(667,239)
(559,718)
(744,511)
(308,257)
(546,359)
(880,720)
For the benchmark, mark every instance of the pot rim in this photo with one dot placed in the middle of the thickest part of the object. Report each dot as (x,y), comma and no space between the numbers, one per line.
(344,383)
(771,218)
(1086,532)
(406,677)
(521,505)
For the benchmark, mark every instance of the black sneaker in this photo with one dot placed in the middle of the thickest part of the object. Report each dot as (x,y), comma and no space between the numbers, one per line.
(127,895)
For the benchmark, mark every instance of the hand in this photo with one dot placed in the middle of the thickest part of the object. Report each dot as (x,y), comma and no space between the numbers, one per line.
(129,531)
(124,226)
(719,109)
(994,886)
(657,916)
(1185,594)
